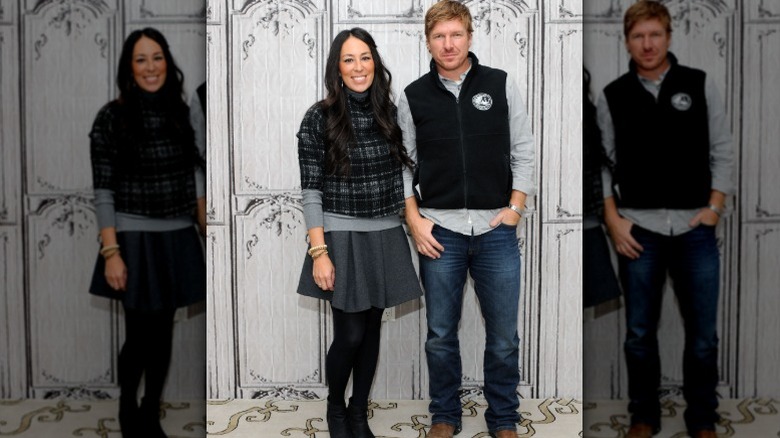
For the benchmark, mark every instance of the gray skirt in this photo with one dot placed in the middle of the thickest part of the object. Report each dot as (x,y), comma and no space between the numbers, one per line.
(165,270)
(373,269)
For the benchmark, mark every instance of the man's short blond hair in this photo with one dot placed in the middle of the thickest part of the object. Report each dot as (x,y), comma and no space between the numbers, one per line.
(447,10)
(646,10)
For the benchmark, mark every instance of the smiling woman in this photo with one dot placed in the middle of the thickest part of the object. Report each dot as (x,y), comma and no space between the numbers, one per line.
(350,155)
(144,161)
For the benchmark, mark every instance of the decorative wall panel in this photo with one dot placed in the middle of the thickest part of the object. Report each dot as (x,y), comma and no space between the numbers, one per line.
(8,11)
(13,362)
(278,332)
(271,58)
(291,40)
(217,195)
(63,315)
(759,300)
(566,10)
(560,351)
(150,11)
(763,10)
(563,127)
(761,202)
(220,341)
(58,36)
(356,11)
(10,155)
(760,351)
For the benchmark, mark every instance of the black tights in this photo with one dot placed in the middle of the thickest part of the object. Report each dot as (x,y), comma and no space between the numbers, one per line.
(355,350)
(146,351)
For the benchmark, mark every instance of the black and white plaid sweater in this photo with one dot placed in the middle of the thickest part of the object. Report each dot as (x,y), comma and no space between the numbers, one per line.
(374,187)
(151,171)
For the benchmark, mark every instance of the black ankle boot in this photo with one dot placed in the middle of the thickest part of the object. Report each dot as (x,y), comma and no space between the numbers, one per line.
(358,421)
(149,416)
(338,423)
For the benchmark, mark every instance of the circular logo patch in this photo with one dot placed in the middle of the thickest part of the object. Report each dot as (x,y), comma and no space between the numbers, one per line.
(482,101)
(681,101)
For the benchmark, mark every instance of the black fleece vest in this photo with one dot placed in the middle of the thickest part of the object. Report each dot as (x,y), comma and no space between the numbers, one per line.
(462,144)
(662,147)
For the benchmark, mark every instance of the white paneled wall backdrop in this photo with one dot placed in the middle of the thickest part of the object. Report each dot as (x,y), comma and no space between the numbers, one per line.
(736,42)
(58,61)
(265,68)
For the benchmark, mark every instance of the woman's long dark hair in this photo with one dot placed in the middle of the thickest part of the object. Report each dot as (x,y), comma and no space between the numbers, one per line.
(338,125)
(170,96)
(593,155)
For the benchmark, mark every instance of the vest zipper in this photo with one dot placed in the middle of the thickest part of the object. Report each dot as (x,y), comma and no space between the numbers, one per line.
(462,153)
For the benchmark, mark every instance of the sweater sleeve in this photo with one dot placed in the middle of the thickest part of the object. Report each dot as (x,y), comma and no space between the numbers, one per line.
(311,149)
(103,149)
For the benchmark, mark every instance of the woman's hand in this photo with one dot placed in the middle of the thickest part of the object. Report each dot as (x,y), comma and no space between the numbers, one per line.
(324,273)
(116,272)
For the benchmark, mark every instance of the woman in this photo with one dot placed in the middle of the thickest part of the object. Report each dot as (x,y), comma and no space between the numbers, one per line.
(144,161)
(350,155)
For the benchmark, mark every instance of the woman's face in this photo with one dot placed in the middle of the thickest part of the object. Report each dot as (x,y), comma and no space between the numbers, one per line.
(356,65)
(149,66)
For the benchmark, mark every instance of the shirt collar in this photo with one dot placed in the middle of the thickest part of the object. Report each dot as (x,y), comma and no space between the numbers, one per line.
(654,82)
(462,76)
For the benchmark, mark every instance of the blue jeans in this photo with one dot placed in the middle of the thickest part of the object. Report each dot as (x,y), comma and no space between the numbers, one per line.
(691,259)
(493,259)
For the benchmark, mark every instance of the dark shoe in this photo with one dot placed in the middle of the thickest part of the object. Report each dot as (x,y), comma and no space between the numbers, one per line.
(705,434)
(358,421)
(442,430)
(505,434)
(338,421)
(149,414)
(640,430)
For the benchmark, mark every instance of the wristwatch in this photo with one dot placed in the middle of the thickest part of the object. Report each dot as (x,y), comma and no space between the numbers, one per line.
(516,209)
(716,209)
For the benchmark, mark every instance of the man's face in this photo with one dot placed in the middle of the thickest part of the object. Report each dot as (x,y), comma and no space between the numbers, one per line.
(449,43)
(648,42)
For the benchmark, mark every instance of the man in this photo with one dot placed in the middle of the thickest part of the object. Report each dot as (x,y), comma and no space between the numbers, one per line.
(466,127)
(665,129)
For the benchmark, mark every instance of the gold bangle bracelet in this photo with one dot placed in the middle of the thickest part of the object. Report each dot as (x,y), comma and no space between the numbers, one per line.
(314,249)
(108,248)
